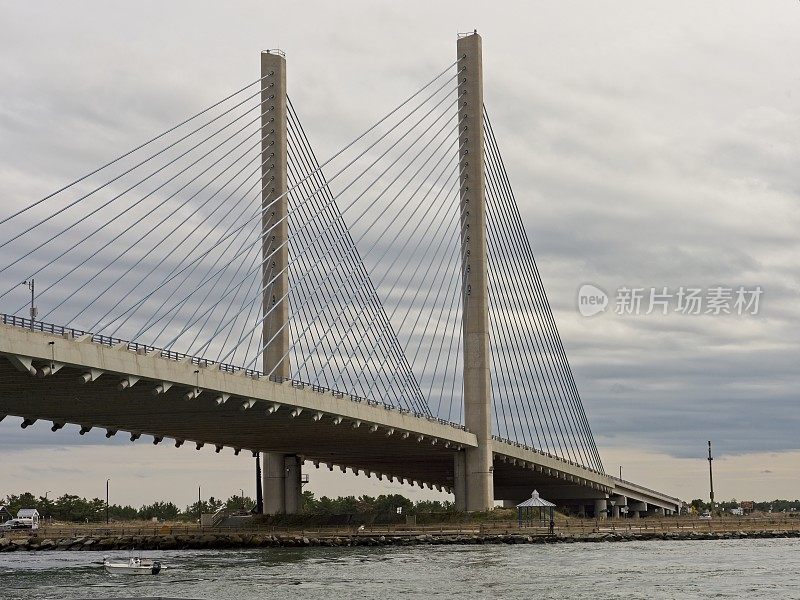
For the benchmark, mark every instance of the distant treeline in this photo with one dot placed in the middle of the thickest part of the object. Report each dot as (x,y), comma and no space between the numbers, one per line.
(383,504)
(72,508)
(766,506)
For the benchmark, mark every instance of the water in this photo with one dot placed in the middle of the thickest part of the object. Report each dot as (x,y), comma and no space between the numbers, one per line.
(695,569)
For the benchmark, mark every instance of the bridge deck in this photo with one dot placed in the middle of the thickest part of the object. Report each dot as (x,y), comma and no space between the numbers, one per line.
(243,411)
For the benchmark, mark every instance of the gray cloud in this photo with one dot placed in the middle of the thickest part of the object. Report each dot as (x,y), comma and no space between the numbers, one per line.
(643,152)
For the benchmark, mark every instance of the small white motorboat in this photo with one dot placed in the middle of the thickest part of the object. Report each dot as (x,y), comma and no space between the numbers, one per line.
(134,566)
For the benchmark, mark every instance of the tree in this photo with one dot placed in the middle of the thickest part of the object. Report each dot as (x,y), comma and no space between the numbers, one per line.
(697,505)
(434,506)
(24,500)
(163,511)
(239,503)
(122,513)
(390,503)
(211,505)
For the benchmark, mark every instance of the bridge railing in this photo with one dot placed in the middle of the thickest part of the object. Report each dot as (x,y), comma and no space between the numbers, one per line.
(543,453)
(139,348)
(636,486)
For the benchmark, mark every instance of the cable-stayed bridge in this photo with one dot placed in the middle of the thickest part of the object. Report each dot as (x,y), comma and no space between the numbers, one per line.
(380,311)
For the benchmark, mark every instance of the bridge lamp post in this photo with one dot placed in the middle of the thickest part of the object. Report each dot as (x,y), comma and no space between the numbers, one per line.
(32,288)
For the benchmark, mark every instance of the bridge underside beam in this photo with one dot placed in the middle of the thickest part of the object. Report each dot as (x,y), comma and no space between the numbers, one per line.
(147,395)
(65,398)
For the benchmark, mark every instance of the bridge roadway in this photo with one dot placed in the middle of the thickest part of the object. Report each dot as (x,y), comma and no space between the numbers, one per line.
(68,377)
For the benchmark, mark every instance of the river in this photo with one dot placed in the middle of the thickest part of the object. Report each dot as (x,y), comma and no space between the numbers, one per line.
(749,569)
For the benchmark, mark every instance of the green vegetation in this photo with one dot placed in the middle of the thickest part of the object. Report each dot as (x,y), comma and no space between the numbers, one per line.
(384,504)
(391,508)
(71,508)
(766,506)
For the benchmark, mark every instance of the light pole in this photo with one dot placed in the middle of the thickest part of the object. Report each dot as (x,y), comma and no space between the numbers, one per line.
(45,499)
(710,476)
(620,471)
(241,490)
(31,287)
(199,510)
(107,520)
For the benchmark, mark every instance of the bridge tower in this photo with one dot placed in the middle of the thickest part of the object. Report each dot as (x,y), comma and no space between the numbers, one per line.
(281,473)
(473,479)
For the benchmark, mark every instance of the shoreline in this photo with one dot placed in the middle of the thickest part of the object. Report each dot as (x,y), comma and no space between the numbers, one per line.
(244,540)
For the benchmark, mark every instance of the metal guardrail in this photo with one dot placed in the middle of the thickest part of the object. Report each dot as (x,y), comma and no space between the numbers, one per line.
(97,338)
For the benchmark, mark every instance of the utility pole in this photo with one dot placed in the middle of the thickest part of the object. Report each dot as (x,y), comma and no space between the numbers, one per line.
(107,519)
(710,475)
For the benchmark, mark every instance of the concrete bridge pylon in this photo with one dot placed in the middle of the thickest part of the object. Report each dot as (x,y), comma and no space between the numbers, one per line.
(476,492)
(281,473)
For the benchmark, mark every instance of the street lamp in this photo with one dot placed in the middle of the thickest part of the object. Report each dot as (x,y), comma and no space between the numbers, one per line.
(241,490)
(107,520)
(31,287)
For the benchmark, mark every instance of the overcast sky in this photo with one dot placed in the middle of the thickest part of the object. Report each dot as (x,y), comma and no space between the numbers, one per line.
(649,144)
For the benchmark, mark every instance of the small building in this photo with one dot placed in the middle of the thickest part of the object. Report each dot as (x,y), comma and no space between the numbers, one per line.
(29,516)
(747,506)
(536,512)
(5,514)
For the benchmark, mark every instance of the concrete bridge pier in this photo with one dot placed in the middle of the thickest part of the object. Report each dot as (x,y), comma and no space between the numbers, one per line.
(283,489)
(619,502)
(636,509)
(460,480)
(600,508)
